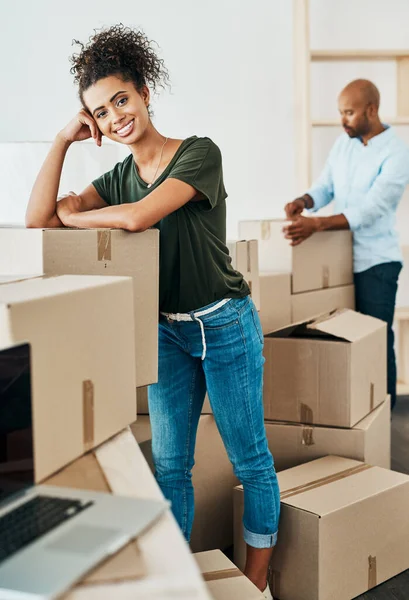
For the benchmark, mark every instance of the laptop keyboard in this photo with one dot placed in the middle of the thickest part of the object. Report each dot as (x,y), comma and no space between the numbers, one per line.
(34,518)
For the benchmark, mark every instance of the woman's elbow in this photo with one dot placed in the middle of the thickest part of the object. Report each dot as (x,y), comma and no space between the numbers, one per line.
(32,222)
(135,225)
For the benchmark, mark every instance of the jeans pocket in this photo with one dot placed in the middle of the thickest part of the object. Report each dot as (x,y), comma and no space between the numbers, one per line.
(257,325)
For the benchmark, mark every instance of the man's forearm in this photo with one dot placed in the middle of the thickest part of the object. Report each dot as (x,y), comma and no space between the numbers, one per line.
(332,223)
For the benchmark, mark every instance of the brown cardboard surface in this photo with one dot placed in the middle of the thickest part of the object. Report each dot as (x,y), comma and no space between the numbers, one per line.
(350,516)
(309,304)
(244,255)
(206,409)
(223,578)
(82,351)
(142,400)
(275,298)
(323,260)
(340,365)
(369,441)
(96,252)
(4,279)
(212,479)
(159,560)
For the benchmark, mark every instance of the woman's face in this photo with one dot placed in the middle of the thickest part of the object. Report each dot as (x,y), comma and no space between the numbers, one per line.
(119,110)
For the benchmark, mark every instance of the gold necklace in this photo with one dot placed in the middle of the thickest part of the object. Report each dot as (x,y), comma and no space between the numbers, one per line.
(157,168)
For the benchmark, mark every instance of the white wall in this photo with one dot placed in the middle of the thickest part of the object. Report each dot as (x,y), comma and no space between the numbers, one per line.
(230,63)
(231,68)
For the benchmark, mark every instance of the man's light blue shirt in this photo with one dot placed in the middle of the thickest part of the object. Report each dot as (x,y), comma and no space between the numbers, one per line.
(366,184)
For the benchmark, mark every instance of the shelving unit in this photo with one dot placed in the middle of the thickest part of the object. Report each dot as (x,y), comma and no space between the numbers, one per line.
(304,56)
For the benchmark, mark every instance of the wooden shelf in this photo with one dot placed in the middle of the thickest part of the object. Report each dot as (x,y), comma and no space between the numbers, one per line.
(337,122)
(324,55)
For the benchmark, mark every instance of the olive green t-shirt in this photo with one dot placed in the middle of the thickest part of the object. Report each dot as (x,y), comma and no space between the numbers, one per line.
(194,266)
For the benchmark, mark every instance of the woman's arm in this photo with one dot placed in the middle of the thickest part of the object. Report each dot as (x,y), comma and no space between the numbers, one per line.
(136,216)
(41,206)
(41,209)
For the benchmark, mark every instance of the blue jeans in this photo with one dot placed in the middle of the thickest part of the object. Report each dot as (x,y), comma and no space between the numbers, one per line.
(375,295)
(232,372)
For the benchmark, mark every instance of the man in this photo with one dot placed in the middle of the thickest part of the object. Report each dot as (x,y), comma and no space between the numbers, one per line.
(365,174)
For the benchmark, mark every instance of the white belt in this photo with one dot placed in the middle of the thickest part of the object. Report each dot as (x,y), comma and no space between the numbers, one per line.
(195,316)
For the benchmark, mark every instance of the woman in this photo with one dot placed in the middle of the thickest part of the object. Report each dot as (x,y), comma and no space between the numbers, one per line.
(209,331)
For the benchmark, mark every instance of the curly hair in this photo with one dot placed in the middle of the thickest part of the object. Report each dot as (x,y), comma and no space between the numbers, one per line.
(118,50)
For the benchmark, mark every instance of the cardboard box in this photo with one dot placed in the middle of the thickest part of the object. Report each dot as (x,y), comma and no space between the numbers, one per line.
(156,565)
(223,578)
(369,441)
(323,260)
(16,278)
(327,371)
(142,400)
(244,258)
(310,304)
(82,360)
(96,252)
(401,328)
(212,478)
(206,409)
(275,298)
(344,528)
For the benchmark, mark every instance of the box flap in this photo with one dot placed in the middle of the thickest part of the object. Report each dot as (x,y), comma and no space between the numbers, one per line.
(46,286)
(330,484)
(213,560)
(346,324)
(365,423)
(341,324)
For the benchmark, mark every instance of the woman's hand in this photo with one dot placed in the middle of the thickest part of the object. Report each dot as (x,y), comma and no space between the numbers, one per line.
(80,128)
(67,205)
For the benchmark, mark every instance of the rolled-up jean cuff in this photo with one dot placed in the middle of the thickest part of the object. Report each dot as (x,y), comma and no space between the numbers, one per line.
(259,540)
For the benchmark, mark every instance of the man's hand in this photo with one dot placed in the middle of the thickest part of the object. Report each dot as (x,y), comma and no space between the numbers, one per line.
(294,208)
(300,229)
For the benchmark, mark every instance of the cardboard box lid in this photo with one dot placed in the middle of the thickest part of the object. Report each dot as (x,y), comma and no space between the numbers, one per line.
(44,287)
(332,483)
(341,324)
(5,279)
(224,580)
(367,421)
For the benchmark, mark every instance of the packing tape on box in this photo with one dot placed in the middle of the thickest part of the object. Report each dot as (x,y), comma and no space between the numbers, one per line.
(104,244)
(372,576)
(306,487)
(248,254)
(372,397)
(88,413)
(222,574)
(265,230)
(325,276)
(275,581)
(306,414)
(308,436)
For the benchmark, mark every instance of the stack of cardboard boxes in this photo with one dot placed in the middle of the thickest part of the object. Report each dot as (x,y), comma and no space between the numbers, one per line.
(87,302)
(328,424)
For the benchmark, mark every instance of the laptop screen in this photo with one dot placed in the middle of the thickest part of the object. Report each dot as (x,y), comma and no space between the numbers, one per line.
(16,431)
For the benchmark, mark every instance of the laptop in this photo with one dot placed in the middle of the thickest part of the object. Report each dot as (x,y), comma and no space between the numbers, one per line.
(49,536)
